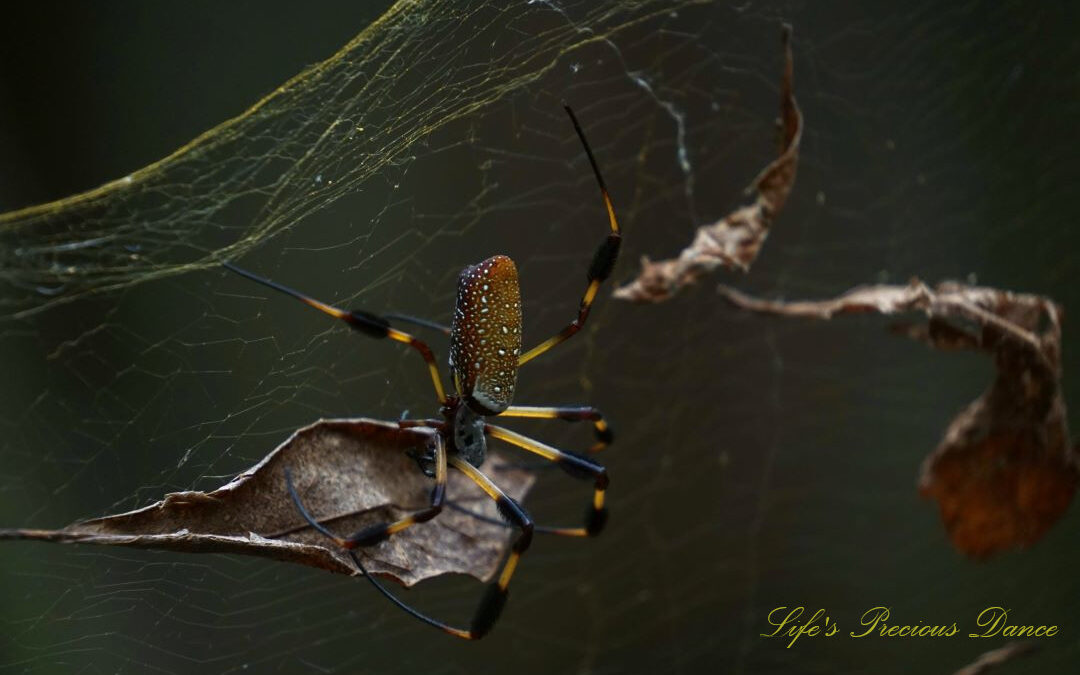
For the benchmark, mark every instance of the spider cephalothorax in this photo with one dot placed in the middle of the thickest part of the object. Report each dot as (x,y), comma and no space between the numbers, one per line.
(485,354)
(467,437)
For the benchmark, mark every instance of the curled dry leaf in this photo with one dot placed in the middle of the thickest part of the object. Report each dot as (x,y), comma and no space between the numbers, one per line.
(1005,470)
(349,473)
(996,657)
(735,240)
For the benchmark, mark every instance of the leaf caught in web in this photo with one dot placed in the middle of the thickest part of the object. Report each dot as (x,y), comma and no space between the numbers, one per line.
(1004,471)
(349,473)
(735,240)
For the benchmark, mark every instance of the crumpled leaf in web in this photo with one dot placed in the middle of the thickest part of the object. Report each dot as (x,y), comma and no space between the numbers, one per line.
(735,240)
(1004,471)
(349,473)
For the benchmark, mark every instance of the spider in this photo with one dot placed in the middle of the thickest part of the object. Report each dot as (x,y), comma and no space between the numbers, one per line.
(485,354)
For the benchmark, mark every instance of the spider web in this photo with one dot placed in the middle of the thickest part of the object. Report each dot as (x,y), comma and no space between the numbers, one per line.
(758,463)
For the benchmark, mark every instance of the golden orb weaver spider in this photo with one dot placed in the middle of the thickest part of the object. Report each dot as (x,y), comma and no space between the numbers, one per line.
(485,354)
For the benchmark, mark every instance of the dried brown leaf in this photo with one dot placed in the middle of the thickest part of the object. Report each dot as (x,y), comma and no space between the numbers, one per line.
(1004,471)
(349,473)
(735,240)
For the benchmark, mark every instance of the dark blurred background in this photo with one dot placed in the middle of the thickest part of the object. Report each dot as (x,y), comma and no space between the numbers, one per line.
(94,92)
(759,462)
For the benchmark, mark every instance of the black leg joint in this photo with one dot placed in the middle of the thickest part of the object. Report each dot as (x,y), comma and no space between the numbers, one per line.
(578,414)
(595,520)
(438,494)
(602,479)
(369,536)
(512,511)
(524,539)
(515,515)
(491,606)
(367,323)
(427,514)
(604,259)
(580,467)
(605,435)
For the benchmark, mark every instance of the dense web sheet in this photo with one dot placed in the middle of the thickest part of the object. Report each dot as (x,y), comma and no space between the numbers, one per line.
(759,463)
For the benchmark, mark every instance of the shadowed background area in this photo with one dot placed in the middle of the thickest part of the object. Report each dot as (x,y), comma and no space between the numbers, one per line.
(759,462)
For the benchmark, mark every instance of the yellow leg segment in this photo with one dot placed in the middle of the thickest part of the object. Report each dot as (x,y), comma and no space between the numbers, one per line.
(604,435)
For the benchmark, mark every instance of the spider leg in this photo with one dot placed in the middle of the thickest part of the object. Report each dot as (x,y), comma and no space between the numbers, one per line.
(417,321)
(575,465)
(373,534)
(367,323)
(494,599)
(491,605)
(602,263)
(604,435)
(537,529)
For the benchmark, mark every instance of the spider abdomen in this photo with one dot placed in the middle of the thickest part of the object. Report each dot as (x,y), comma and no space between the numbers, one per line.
(485,337)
